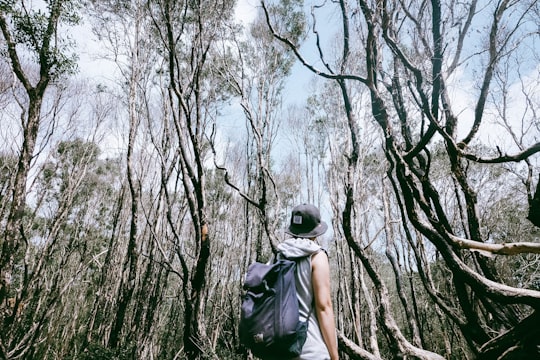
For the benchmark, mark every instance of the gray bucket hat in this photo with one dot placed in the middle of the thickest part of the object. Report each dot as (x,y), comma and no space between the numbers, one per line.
(306,222)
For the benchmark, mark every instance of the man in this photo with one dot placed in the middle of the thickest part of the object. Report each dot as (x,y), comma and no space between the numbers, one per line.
(312,282)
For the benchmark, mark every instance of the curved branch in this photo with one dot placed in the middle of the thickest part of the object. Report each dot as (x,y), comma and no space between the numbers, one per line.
(14,57)
(300,58)
(419,81)
(492,62)
(353,350)
(526,333)
(446,242)
(226,176)
(318,40)
(504,158)
(463,31)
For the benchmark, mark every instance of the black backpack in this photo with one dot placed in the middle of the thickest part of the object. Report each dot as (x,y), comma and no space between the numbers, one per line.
(269,323)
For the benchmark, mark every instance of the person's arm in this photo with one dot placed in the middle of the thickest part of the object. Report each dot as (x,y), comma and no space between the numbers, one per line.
(323,301)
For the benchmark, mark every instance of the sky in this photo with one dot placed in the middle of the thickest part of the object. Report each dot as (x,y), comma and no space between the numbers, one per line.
(298,86)
(246,10)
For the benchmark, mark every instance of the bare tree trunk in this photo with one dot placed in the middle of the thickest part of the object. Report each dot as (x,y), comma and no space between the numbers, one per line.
(14,241)
(130,263)
(11,238)
(190,112)
(396,267)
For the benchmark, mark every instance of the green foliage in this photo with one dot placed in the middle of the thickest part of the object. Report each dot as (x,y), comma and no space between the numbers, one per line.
(288,19)
(40,34)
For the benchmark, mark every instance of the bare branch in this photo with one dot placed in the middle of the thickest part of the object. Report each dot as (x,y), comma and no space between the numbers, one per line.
(499,249)
(304,62)
(521,156)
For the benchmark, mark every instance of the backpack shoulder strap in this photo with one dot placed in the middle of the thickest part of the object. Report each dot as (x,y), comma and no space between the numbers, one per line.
(279,255)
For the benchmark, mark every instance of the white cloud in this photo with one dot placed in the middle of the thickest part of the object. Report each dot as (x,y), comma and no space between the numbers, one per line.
(246,10)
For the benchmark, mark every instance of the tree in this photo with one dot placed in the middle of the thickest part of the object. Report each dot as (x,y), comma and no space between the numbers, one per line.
(27,31)
(27,34)
(412,56)
(189,34)
(257,76)
(127,29)
(69,241)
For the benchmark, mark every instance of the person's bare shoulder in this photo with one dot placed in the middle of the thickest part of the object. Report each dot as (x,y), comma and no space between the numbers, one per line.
(319,258)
